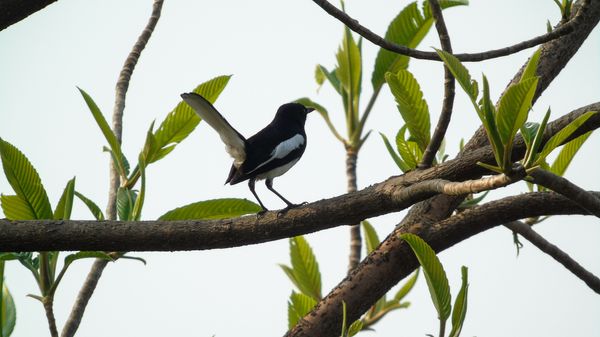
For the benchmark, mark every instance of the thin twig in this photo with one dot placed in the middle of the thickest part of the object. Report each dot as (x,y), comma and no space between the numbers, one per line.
(449,85)
(561,185)
(354,25)
(355,235)
(95,272)
(556,253)
(48,308)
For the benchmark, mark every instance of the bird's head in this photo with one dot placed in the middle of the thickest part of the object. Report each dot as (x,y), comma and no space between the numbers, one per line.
(293,112)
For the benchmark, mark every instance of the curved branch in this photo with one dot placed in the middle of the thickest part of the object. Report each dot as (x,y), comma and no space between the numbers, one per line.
(556,253)
(449,85)
(464,57)
(394,260)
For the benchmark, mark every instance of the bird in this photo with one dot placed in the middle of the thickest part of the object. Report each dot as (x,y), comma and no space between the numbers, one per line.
(268,154)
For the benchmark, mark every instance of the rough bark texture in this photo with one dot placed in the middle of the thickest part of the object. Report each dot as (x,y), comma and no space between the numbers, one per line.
(355,236)
(13,11)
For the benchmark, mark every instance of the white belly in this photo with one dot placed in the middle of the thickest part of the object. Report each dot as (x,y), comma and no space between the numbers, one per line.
(276,172)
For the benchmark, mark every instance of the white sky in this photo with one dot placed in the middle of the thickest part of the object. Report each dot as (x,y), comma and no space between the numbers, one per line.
(271,47)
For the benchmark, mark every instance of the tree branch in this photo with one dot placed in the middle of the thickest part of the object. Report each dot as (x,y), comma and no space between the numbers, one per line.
(449,85)
(556,253)
(354,25)
(13,11)
(394,260)
(86,291)
(563,186)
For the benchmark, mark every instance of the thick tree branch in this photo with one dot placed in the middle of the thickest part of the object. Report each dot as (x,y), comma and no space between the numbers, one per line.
(563,186)
(13,11)
(394,260)
(354,25)
(449,85)
(556,253)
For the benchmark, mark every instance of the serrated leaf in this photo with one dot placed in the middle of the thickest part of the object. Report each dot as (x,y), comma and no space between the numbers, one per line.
(399,162)
(86,255)
(513,109)
(332,78)
(25,181)
(407,287)
(305,268)
(182,120)
(437,282)
(65,203)
(298,306)
(531,67)
(562,161)
(349,72)
(408,28)
(460,305)
(562,135)
(371,238)
(109,135)
(412,106)
(461,74)
(528,131)
(15,208)
(8,312)
(212,209)
(96,212)
(125,201)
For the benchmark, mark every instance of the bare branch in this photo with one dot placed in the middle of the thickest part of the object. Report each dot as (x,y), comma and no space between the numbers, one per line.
(354,25)
(355,235)
(556,253)
(13,11)
(48,308)
(449,85)
(563,186)
(393,259)
(86,291)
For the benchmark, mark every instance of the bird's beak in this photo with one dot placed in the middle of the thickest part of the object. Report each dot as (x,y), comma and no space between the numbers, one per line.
(309,110)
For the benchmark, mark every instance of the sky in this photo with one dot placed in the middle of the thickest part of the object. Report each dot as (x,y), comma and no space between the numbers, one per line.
(271,48)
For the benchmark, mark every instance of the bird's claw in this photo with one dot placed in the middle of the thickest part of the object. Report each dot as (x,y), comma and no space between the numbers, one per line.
(290,206)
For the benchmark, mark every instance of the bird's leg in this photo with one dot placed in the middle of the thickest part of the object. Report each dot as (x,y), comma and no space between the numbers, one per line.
(269,183)
(251,186)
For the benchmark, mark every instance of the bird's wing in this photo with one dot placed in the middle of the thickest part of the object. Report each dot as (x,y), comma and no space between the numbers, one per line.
(282,150)
(235,143)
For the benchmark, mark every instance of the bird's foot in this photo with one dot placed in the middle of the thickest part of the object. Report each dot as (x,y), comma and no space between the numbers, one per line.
(261,213)
(290,206)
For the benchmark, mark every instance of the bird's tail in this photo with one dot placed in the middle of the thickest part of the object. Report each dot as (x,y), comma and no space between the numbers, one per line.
(235,143)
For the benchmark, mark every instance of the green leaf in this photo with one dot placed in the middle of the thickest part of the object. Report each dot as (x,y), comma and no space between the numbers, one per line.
(136,212)
(562,161)
(531,68)
(15,208)
(561,136)
(528,131)
(435,275)
(409,151)
(125,202)
(371,238)
(412,106)
(91,206)
(487,115)
(473,201)
(134,258)
(8,312)
(298,306)
(180,122)
(65,203)
(533,146)
(25,181)
(307,102)
(407,287)
(401,164)
(331,77)
(87,255)
(349,71)
(355,328)
(460,305)
(513,109)
(304,272)
(212,209)
(408,28)
(461,74)
(109,135)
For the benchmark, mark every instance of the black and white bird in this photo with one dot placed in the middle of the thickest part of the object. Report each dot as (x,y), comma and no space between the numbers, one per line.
(266,155)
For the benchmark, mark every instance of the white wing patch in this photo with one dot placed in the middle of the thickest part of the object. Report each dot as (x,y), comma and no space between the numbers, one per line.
(283,149)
